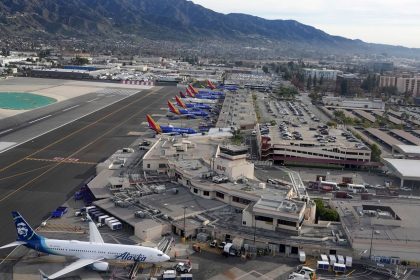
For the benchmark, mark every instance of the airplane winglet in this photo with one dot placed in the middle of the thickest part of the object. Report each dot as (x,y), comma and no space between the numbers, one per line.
(13,244)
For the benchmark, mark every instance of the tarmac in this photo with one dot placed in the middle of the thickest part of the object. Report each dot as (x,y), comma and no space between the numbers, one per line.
(41,174)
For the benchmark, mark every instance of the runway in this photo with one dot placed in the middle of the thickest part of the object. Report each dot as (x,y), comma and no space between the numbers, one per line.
(41,174)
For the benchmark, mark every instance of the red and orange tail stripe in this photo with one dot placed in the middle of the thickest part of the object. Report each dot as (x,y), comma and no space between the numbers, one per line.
(180,103)
(153,125)
(193,89)
(173,109)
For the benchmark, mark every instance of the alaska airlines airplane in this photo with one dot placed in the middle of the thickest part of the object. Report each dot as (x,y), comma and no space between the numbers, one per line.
(192,105)
(160,129)
(187,113)
(90,253)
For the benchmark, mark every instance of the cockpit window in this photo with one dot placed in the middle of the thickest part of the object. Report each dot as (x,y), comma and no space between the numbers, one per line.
(160,255)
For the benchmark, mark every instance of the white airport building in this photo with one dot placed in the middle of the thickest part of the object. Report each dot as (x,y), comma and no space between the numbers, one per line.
(326,74)
(353,103)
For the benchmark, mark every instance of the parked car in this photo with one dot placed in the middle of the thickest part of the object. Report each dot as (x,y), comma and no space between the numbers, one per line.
(182,267)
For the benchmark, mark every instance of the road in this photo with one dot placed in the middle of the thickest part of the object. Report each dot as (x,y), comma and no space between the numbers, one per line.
(43,173)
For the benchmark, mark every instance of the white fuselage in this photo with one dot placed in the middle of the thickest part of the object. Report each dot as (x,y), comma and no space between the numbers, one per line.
(107,251)
(198,100)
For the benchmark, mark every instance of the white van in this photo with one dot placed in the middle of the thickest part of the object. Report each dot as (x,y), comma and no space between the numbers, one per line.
(356,188)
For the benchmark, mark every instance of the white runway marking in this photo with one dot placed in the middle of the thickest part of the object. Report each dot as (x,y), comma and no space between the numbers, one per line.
(40,119)
(5,131)
(92,100)
(5,145)
(75,106)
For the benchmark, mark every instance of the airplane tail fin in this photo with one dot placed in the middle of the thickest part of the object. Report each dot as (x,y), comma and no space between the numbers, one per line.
(190,93)
(180,102)
(23,229)
(210,85)
(153,125)
(172,108)
(193,90)
(182,95)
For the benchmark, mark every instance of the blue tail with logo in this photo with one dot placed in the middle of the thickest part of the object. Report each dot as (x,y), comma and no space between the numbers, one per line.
(23,229)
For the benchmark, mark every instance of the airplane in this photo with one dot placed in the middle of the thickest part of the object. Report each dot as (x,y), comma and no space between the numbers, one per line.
(199,101)
(91,253)
(203,96)
(210,85)
(203,92)
(160,129)
(187,113)
(192,105)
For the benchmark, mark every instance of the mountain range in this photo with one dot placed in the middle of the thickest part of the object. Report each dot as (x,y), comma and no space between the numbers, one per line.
(173,20)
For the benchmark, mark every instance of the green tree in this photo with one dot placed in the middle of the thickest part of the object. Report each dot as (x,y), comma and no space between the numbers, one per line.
(265,69)
(237,137)
(80,61)
(325,213)
(375,153)
(321,80)
(309,82)
(314,81)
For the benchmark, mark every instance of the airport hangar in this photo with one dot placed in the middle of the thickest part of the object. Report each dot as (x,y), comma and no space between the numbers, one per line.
(406,166)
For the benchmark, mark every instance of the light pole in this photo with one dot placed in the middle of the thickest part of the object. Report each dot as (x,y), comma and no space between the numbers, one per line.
(371,244)
(255,228)
(185,208)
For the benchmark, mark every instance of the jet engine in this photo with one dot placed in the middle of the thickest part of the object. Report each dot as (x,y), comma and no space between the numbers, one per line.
(100,266)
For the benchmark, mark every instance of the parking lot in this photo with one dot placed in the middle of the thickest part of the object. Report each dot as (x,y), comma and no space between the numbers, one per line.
(296,113)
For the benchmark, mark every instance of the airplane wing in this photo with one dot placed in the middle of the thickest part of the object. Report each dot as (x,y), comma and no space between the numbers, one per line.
(71,267)
(94,235)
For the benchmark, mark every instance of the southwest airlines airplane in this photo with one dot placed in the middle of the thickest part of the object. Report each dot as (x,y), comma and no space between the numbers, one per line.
(187,113)
(92,253)
(192,99)
(192,105)
(160,129)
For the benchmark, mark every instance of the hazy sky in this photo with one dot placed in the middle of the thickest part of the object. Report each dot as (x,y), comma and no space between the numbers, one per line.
(395,22)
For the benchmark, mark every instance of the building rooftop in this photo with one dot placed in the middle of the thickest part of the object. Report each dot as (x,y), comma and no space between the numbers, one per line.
(407,168)
(408,149)
(279,205)
(406,136)
(308,137)
(383,136)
